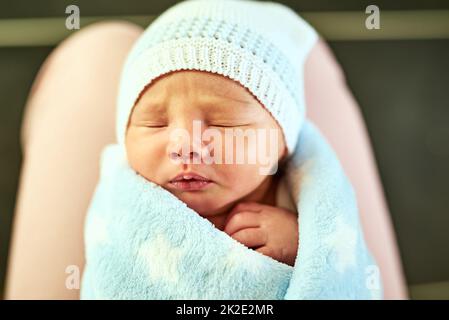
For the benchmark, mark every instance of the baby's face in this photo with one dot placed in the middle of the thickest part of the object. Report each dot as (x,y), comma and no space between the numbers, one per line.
(218,105)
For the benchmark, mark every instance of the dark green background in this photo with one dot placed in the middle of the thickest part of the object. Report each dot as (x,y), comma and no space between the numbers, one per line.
(401,86)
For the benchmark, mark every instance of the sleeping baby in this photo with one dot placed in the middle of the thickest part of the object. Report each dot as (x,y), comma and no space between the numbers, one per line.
(235,197)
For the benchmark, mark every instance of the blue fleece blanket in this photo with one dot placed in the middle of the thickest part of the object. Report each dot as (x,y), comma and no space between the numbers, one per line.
(144,243)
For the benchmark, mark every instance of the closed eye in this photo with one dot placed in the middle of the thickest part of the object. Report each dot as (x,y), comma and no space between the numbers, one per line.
(228,126)
(155,126)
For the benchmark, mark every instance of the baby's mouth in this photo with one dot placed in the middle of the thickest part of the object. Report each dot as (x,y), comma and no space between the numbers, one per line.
(190,182)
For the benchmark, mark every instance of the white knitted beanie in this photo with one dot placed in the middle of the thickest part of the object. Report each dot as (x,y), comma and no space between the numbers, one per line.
(261,45)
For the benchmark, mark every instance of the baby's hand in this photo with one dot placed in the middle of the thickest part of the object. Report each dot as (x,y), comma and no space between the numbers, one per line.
(272,230)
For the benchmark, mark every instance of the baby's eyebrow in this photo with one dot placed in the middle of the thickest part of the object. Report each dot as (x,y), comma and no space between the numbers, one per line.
(224,107)
(153,107)
(225,101)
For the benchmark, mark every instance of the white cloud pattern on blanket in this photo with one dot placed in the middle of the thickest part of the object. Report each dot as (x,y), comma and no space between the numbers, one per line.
(160,249)
(98,233)
(344,241)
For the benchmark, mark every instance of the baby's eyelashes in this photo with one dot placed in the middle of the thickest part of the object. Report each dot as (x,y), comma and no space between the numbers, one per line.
(229,125)
(155,126)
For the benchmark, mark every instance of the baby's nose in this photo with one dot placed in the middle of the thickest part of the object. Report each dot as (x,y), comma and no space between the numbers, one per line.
(185,151)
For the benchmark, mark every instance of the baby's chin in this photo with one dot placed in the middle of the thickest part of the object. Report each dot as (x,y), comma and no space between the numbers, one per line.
(206,205)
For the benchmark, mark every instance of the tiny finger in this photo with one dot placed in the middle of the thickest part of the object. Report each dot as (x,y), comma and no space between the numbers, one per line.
(250,237)
(242,220)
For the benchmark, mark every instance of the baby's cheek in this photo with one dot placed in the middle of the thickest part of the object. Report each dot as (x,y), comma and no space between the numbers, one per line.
(241,178)
(144,157)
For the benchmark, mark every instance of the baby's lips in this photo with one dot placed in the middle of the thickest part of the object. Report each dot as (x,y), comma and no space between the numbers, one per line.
(189,176)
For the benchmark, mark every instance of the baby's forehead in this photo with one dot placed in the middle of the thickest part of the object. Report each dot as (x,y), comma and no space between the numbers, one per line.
(218,93)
